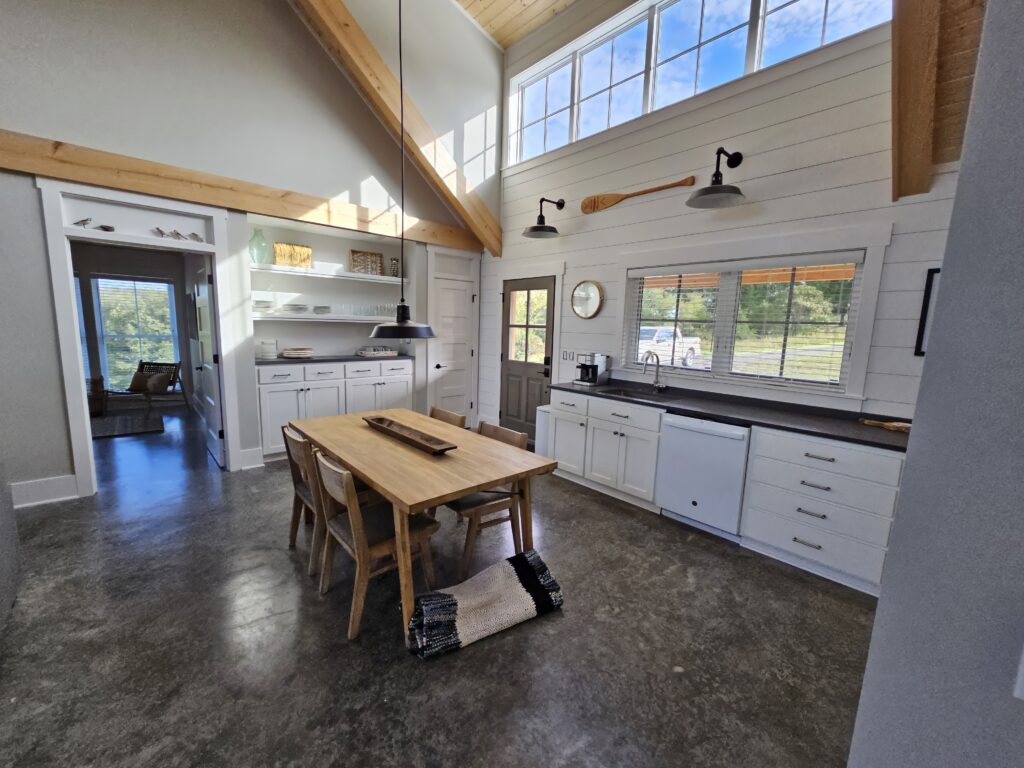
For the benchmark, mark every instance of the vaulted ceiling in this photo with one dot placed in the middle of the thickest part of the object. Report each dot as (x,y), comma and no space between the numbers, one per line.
(509,21)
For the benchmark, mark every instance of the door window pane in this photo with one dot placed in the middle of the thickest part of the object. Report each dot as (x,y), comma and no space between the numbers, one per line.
(722,60)
(675,80)
(533,140)
(536,345)
(680,28)
(792,30)
(538,307)
(517,344)
(557,130)
(559,89)
(519,305)
(596,69)
(630,54)
(627,100)
(847,17)
(533,102)
(594,114)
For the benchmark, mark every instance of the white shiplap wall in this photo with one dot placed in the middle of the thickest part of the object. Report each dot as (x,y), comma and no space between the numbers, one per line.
(816,134)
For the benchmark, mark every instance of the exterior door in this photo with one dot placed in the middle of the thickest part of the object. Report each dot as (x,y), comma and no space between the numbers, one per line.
(206,360)
(526,342)
(450,365)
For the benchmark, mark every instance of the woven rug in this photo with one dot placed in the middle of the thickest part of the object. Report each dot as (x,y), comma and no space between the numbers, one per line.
(123,424)
(499,597)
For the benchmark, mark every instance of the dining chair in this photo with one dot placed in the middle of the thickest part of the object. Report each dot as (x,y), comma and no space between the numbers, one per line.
(475,507)
(449,417)
(300,459)
(367,533)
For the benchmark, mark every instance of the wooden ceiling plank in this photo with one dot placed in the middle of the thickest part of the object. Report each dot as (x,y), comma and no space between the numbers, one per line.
(340,34)
(519,27)
(71,162)
(506,8)
(915,46)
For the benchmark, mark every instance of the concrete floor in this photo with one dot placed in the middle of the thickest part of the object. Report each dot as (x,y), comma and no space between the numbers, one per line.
(164,622)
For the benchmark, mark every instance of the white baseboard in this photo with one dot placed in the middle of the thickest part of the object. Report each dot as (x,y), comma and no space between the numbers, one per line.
(614,493)
(28,493)
(839,577)
(251,458)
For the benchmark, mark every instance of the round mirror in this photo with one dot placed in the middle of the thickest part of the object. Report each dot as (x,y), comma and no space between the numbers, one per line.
(587,298)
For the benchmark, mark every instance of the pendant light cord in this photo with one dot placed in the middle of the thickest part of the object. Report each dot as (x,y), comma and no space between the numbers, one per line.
(401,142)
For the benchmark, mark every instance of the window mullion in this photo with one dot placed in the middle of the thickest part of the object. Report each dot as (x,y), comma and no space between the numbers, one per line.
(652,20)
(574,97)
(754,34)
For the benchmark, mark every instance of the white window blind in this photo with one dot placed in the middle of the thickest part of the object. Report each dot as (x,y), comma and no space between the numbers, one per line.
(789,323)
(135,321)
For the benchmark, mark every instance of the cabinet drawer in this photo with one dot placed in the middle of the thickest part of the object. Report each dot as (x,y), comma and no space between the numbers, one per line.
(396,368)
(825,486)
(627,415)
(570,402)
(361,370)
(873,529)
(866,463)
(322,371)
(279,374)
(829,549)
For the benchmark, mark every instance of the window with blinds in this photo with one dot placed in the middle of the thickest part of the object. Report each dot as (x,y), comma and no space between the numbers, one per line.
(135,321)
(785,323)
(81,327)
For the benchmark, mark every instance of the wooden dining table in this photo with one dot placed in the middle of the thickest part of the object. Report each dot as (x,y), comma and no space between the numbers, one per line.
(415,481)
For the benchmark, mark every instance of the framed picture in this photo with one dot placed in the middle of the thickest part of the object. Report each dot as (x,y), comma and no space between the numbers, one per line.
(931,289)
(366,262)
(291,255)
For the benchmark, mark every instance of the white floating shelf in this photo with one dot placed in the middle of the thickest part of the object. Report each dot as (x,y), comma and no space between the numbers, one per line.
(321,318)
(301,272)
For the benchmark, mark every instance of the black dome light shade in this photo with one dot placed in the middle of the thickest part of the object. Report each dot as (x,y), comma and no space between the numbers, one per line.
(403,327)
(718,194)
(543,230)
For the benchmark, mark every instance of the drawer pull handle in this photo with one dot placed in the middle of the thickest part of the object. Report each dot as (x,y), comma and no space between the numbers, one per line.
(281,375)
(798,540)
(324,373)
(815,485)
(819,515)
(571,405)
(820,458)
(620,415)
(583,423)
(361,370)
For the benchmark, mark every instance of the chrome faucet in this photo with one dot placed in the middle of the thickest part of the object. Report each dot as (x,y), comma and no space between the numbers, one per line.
(658,385)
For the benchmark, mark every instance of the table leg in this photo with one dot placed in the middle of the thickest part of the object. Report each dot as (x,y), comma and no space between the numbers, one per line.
(404,557)
(526,512)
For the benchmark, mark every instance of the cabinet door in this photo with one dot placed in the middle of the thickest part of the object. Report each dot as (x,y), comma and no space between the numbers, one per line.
(394,392)
(361,395)
(568,442)
(638,462)
(327,399)
(603,446)
(279,404)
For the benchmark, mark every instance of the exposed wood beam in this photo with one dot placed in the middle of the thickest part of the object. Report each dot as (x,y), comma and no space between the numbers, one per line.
(915,58)
(59,160)
(352,51)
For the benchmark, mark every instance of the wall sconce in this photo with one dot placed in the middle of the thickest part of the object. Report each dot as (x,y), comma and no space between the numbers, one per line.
(719,195)
(541,229)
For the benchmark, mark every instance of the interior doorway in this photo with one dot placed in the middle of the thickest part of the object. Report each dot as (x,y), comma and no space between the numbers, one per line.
(527,339)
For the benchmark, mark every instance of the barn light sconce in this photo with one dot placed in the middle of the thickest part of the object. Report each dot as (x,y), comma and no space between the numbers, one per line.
(718,194)
(541,229)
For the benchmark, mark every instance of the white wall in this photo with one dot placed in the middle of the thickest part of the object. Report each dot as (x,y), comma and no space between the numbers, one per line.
(816,134)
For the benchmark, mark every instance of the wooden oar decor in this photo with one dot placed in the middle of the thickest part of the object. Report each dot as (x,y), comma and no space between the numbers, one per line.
(596,203)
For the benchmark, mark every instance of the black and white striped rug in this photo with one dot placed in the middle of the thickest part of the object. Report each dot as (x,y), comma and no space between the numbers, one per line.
(499,597)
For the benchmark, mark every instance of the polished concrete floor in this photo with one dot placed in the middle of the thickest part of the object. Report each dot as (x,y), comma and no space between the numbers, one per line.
(164,622)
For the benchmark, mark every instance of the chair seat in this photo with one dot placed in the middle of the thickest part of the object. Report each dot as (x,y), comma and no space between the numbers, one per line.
(379,525)
(482,498)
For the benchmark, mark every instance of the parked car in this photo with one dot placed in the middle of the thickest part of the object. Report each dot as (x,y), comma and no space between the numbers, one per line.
(659,341)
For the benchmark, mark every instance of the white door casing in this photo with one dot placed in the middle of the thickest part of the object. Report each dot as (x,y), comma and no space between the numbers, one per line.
(207,363)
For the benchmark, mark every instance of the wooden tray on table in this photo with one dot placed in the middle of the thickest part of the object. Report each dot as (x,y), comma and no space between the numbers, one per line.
(408,435)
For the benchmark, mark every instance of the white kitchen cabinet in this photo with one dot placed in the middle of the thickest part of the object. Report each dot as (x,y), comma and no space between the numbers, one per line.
(394,392)
(569,441)
(603,452)
(378,394)
(638,462)
(361,395)
(279,404)
(325,399)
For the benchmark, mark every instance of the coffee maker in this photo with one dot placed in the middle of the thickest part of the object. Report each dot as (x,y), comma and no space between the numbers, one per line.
(593,369)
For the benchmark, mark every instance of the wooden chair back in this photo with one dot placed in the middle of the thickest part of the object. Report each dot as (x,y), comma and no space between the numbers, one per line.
(300,457)
(338,494)
(449,417)
(508,436)
(149,368)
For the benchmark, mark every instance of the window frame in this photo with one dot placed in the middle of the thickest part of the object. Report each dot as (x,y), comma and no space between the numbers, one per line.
(651,10)
(526,327)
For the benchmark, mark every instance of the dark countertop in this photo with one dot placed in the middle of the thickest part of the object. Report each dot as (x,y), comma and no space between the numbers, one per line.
(330,359)
(749,412)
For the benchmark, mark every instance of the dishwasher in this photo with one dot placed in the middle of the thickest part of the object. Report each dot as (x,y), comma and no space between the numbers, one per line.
(701,468)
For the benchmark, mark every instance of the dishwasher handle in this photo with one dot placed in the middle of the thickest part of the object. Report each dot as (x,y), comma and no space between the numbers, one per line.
(717,429)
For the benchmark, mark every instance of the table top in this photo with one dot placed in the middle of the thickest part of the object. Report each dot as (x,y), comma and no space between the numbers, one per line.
(410,478)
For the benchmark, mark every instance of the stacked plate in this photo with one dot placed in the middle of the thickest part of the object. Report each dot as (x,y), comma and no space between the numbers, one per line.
(322,309)
(295,309)
(297,353)
(262,305)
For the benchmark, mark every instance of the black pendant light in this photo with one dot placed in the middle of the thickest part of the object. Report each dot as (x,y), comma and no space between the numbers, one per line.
(542,229)
(719,195)
(403,327)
